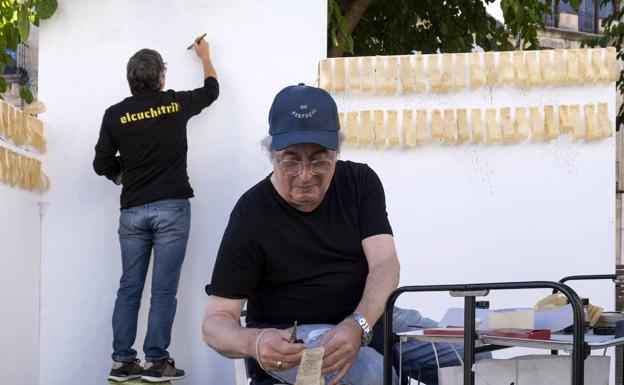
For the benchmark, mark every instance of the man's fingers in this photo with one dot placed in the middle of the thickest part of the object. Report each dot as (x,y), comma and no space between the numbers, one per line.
(198,39)
(275,349)
(336,360)
(330,345)
(341,374)
(326,338)
(333,359)
(332,368)
(288,348)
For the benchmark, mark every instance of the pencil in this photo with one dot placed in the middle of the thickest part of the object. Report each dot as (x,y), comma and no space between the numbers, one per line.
(196,40)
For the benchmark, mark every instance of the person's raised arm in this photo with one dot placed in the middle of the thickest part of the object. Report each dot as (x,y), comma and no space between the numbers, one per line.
(202,49)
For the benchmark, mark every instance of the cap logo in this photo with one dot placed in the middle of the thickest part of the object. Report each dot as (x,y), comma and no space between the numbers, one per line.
(303,113)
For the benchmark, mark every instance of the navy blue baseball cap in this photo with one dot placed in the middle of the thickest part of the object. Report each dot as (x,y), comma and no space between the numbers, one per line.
(303,114)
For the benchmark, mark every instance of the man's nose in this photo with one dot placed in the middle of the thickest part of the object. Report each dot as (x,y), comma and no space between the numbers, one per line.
(305,174)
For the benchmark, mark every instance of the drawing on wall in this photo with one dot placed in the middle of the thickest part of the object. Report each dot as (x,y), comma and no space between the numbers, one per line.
(25,132)
(413,75)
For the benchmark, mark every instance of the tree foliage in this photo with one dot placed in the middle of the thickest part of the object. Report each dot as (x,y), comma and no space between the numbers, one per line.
(384,27)
(16,16)
(399,27)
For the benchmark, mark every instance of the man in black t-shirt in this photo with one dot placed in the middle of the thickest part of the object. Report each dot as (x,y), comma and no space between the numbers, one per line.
(310,243)
(148,130)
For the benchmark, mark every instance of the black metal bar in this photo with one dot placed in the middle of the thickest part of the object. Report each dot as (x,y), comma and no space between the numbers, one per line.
(490,348)
(587,277)
(577,310)
(469,338)
(618,349)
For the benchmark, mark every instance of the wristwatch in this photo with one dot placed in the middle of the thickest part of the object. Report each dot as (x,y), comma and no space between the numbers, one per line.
(367,332)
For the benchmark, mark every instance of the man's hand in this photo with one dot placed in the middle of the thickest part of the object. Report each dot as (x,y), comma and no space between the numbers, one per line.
(274,348)
(202,48)
(203,51)
(341,344)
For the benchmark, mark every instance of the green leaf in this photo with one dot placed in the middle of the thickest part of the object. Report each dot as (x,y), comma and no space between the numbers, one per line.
(3,85)
(349,44)
(26,95)
(23,23)
(343,24)
(12,36)
(3,42)
(504,6)
(574,3)
(515,5)
(46,8)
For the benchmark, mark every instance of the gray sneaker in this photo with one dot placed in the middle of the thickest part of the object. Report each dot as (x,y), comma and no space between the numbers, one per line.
(162,371)
(124,371)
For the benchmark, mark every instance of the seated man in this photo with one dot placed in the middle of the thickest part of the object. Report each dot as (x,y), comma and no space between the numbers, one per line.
(311,243)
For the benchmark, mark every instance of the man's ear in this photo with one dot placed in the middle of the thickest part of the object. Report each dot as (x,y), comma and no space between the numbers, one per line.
(162,82)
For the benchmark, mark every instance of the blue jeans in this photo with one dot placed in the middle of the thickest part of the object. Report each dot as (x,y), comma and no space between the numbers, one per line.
(164,227)
(418,357)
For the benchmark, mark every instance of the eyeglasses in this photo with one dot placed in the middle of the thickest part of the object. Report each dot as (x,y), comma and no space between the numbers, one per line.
(292,167)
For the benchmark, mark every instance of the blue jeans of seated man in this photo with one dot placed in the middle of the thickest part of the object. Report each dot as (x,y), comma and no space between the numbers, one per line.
(418,357)
(162,226)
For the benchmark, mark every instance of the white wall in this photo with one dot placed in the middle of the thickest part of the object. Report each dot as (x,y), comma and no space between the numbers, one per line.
(483,213)
(19,283)
(257,48)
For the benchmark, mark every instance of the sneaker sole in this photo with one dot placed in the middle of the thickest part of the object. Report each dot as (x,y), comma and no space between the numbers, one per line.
(160,379)
(123,379)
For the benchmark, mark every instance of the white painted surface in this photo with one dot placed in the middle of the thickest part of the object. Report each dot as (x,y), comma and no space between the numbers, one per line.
(257,48)
(19,285)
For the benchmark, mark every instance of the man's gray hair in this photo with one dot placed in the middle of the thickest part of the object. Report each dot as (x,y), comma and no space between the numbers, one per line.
(267,143)
(144,70)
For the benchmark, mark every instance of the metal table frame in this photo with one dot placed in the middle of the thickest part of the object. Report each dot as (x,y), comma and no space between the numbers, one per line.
(592,277)
(470,292)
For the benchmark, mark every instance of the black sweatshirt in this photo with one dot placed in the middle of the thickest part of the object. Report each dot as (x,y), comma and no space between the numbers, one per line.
(149,131)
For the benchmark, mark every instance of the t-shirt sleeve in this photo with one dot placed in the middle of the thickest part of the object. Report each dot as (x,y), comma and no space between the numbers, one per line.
(193,102)
(239,262)
(372,203)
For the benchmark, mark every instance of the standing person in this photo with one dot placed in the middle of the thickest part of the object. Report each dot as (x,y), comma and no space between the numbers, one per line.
(148,129)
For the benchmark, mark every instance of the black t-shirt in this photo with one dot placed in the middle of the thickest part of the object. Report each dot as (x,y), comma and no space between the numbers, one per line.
(292,265)
(149,131)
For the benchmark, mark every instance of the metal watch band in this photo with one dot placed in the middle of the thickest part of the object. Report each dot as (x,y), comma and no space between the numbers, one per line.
(367,332)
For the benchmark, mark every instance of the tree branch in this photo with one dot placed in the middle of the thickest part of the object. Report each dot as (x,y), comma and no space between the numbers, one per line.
(353,15)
